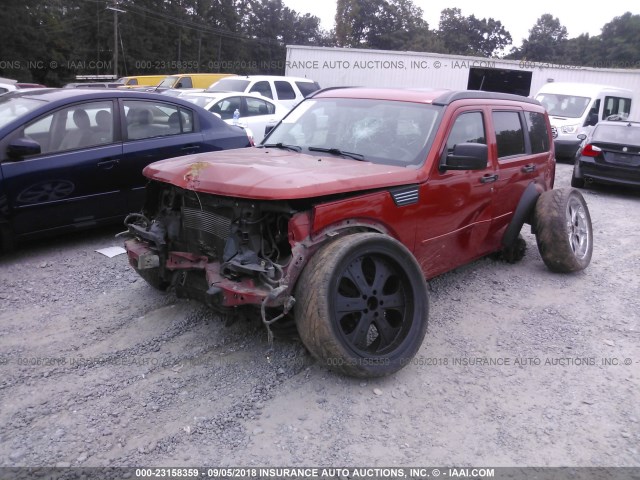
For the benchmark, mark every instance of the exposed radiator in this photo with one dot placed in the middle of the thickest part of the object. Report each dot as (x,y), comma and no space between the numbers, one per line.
(207,222)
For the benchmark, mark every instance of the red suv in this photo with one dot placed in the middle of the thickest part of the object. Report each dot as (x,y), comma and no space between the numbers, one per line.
(355,198)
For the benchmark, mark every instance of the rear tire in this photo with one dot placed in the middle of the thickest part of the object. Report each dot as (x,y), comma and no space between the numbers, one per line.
(361,305)
(563,230)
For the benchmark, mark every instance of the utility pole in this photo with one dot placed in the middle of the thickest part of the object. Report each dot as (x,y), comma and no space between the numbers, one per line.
(115,40)
(115,36)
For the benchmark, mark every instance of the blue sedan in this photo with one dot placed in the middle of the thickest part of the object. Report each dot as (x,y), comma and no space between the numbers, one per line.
(72,159)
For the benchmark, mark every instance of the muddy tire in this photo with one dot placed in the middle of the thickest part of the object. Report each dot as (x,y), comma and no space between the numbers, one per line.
(362,306)
(576,180)
(563,230)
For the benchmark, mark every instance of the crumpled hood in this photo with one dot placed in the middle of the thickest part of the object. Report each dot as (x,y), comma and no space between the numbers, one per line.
(275,174)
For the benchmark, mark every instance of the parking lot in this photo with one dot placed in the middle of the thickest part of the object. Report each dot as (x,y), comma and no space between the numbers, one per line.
(520,366)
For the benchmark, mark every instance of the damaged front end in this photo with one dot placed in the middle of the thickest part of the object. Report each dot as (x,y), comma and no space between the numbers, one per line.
(238,256)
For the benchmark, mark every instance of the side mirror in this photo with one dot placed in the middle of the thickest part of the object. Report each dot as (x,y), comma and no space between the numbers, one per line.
(466,156)
(23,147)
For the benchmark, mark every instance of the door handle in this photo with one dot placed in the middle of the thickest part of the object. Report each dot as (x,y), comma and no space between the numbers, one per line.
(108,164)
(528,168)
(190,147)
(488,178)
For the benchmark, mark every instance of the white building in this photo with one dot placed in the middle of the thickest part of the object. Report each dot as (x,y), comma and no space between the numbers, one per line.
(332,67)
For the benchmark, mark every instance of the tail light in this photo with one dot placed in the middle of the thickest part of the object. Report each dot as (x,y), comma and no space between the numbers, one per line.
(591,150)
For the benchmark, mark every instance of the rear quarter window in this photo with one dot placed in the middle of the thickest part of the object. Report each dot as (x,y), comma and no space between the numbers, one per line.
(538,133)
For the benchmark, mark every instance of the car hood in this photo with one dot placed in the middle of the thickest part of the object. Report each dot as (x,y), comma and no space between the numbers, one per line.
(274,174)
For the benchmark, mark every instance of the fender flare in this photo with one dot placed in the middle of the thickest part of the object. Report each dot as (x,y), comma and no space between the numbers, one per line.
(521,214)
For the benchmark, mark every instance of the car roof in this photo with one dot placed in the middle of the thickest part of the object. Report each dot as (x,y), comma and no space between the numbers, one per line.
(63,96)
(618,123)
(60,94)
(580,89)
(271,77)
(224,93)
(433,96)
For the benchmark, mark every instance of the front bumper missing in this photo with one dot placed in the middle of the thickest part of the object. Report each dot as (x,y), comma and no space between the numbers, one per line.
(223,291)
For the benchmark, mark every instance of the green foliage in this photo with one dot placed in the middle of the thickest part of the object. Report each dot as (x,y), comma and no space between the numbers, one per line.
(471,36)
(54,41)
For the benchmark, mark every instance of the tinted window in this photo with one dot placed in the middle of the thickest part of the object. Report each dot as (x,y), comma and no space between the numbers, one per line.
(509,133)
(538,135)
(284,90)
(263,88)
(255,106)
(80,126)
(307,88)
(468,128)
(156,119)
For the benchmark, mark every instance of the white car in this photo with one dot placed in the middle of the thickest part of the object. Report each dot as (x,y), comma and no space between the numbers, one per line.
(257,113)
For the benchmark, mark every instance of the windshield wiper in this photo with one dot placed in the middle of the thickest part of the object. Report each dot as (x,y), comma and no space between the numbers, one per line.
(337,151)
(295,148)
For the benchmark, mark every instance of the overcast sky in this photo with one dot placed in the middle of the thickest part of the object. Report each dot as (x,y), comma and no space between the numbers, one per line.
(517,17)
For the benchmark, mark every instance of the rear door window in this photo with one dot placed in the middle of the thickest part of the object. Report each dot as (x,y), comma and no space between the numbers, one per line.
(509,134)
(284,90)
(156,119)
(263,88)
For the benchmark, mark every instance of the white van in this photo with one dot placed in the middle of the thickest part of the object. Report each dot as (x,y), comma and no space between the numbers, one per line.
(575,108)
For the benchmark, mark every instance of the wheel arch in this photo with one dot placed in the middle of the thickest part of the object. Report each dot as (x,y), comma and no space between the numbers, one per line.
(523,213)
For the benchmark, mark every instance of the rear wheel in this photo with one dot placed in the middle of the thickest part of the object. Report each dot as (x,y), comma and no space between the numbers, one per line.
(362,305)
(563,230)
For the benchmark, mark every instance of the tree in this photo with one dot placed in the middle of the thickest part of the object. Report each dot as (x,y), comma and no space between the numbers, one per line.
(380,24)
(547,40)
(620,43)
(471,36)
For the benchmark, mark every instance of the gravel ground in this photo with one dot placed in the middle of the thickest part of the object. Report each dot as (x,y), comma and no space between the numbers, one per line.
(520,367)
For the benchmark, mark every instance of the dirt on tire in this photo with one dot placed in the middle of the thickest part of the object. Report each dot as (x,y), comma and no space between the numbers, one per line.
(564,233)
(322,333)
